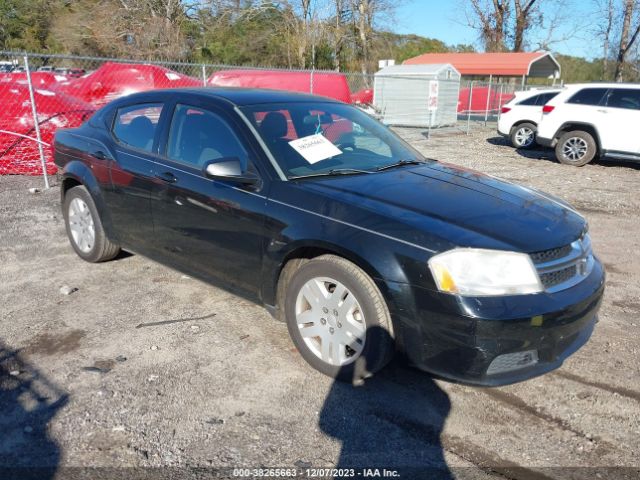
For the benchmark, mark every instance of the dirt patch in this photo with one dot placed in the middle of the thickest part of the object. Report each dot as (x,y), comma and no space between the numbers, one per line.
(51,344)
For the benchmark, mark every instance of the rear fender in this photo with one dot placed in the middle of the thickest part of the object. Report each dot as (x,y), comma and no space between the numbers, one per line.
(77,172)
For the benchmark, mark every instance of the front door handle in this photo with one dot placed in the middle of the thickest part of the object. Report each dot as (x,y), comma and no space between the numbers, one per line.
(601,110)
(167,177)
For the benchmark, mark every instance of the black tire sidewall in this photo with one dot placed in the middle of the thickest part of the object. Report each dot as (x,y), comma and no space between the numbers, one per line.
(82,193)
(373,356)
(515,129)
(591,148)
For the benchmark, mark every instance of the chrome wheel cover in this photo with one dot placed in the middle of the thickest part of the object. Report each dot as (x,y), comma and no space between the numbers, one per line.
(524,137)
(575,148)
(81,225)
(331,321)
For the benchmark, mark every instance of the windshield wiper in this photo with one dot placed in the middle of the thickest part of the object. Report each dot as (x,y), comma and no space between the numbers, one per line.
(331,173)
(399,164)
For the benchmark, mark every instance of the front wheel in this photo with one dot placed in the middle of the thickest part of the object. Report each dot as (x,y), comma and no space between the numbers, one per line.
(523,135)
(84,227)
(576,148)
(338,319)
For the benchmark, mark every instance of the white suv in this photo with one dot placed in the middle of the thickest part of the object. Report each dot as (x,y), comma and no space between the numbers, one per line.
(592,119)
(519,117)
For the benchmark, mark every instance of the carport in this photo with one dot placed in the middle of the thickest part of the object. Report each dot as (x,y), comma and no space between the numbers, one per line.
(473,66)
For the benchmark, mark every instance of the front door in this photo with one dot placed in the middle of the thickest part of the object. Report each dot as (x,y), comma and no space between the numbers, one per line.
(211,228)
(619,120)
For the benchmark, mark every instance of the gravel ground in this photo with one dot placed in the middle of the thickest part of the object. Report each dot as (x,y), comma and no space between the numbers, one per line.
(142,366)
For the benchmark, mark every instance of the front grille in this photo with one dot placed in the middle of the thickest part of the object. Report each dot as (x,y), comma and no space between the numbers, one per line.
(562,267)
(552,254)
(557,277)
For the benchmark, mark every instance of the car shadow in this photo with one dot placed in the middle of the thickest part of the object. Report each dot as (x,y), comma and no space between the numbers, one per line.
(391,421)
(28,402)
(542,153)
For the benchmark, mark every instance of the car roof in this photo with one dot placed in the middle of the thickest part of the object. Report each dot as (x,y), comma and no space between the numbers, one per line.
(537,91)
(236,96)
(603,85)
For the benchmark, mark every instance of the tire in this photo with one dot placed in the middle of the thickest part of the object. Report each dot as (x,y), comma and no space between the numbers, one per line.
(355,343)
(84,227)
(523,136)
(576,148)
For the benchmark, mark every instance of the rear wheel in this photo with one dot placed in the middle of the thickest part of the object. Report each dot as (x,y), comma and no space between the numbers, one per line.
(523,135)
(338,319)
(576,148)
(84,227)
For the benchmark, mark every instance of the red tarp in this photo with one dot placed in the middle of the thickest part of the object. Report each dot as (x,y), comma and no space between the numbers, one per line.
(64,103)
(332,85)
(20,155)
(115,80)
(479,99)
(39,79)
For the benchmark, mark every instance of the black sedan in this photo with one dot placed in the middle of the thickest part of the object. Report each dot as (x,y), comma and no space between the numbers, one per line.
(354,239)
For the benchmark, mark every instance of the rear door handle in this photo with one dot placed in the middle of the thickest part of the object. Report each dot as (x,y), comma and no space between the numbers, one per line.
(167,177)
(601,110)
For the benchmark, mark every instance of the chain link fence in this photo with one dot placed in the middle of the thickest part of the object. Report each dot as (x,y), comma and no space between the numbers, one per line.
(41,93)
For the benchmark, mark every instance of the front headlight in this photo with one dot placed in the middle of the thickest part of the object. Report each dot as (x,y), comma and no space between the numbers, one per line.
(478,272)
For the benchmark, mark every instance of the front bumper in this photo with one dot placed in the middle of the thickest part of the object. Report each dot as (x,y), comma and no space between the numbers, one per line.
(494,341)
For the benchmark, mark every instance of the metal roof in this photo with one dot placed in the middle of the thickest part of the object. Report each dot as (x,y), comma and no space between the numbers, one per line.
(416,69)
(533,64)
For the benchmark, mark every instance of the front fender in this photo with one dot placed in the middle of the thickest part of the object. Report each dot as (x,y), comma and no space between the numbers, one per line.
(381,257)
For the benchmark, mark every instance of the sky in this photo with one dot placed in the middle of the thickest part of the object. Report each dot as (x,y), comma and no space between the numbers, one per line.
(445,20)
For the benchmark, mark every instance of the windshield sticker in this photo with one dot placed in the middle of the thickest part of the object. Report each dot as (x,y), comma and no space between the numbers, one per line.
(315,148)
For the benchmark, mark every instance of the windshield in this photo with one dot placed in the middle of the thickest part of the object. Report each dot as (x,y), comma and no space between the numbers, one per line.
(315,138)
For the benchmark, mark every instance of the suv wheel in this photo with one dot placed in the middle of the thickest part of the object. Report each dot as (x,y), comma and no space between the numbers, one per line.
(84,227)
(338,319)
(576,148)
(523,135)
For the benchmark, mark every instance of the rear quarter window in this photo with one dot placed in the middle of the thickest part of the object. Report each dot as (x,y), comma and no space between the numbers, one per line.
(545,97)
(531,101)
(588,96)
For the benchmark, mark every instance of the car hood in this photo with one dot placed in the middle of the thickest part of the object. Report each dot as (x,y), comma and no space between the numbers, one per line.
(457,205)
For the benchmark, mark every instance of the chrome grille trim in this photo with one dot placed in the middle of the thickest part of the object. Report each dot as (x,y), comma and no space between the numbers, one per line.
(566,271)
(549,255)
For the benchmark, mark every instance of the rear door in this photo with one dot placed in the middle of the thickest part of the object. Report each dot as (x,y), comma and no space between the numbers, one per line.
(211,228)
(135,132)
(620,119)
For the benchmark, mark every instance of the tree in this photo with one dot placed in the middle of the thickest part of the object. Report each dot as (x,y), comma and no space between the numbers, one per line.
(525,15)
(24,24)
(509,25)
(606,10)
(625,42)
(490,20)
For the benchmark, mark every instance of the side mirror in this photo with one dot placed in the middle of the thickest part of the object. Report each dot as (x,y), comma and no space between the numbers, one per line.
(229,169)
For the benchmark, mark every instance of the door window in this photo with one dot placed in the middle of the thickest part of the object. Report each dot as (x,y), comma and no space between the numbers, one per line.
(197,136)
(588,96)
(624,98)
(136,125)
